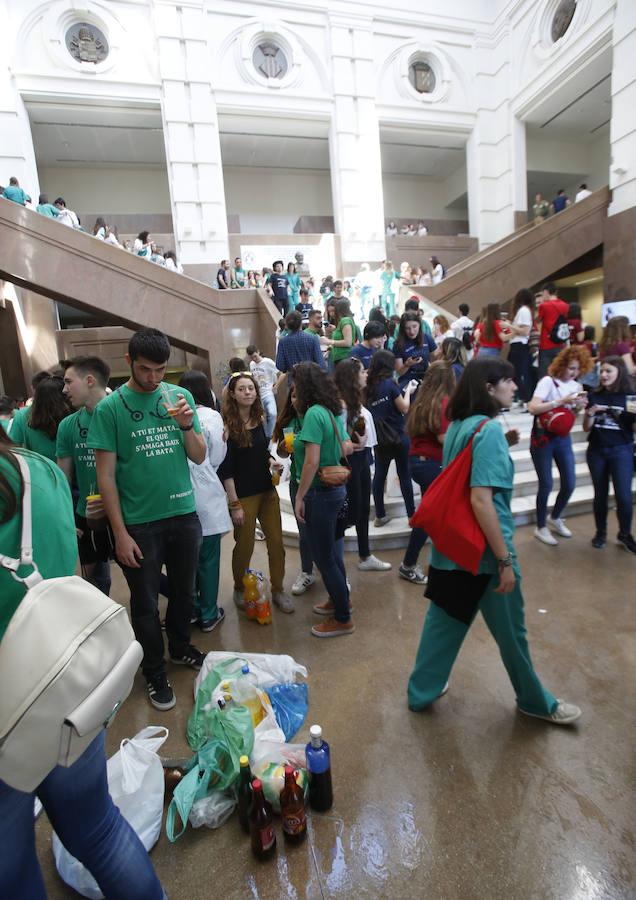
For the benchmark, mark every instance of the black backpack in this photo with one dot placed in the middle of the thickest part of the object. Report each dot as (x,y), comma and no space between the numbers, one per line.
(560,332)
(466,341)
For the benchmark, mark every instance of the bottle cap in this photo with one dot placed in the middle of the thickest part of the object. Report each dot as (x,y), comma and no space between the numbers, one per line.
(257,784)
(315,731)
(289,770)
(245,669)
(244,761)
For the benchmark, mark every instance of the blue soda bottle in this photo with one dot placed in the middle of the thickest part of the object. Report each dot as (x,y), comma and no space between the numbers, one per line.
(319,771)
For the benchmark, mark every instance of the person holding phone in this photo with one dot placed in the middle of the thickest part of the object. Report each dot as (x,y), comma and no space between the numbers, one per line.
(413,349)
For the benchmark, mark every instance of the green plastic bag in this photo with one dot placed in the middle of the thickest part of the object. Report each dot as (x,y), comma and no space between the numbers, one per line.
(215,766)
(201,721)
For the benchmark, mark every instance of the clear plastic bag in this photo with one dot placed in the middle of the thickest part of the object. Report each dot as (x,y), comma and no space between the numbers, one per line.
(268,763)
(136,784)
(213,810)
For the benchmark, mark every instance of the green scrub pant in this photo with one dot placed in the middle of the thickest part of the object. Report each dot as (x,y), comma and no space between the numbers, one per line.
(442,637)
(207,582)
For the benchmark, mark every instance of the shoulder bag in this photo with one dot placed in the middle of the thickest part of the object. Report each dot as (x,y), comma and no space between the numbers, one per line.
(67,662)
(446,513)
(335,476)
(558,421)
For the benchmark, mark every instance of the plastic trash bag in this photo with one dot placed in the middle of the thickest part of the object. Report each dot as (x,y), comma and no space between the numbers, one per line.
(268,763)
(215,766)
(213,810)
(197,730)
(136,784)
(269,668)
(290,703)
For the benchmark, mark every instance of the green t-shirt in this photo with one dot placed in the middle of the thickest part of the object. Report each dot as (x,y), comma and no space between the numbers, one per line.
(318,429)
(18,424)
(71,441)
(492,467)
(53,524)
(338,353)
(5,424)
(152,474)
(294,474)
(37,440)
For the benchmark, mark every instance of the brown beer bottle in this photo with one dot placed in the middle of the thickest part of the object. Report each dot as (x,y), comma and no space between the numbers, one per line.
(262,834)
(292,809)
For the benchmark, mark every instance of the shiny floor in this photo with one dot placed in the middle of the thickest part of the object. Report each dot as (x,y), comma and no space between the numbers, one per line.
(469,799)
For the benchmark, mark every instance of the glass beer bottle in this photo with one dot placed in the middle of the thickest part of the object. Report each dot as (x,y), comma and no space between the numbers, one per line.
(262,834)
(292,809)
(244,793)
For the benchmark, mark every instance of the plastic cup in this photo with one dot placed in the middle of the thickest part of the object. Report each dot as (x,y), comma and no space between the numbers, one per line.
(169,401)
(275,477)
(289,440)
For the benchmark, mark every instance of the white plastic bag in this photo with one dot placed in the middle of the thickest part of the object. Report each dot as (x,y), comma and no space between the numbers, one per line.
(268,762)
(136,784)
(213,810)
(269,668)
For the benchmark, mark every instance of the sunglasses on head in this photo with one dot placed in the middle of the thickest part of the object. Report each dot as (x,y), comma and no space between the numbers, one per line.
(239,374)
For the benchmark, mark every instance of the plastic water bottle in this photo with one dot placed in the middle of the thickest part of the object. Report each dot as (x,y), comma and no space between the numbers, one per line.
(249,676)
(319,770)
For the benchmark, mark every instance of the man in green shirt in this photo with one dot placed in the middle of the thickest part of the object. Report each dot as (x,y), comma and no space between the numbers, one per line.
(47,209)
(85,380)
(143,435)
(540,209)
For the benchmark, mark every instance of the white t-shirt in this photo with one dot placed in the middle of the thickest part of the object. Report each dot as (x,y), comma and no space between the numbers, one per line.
(370,437)
(460,325)
(67,217)
(581,195)
(266,374)
(522,317)
(438,273)
(550,389)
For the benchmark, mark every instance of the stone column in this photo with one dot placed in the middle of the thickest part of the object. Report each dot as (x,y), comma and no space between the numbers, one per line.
(191,133)
(495,151)
(622,175)
(18,155)
(354,142)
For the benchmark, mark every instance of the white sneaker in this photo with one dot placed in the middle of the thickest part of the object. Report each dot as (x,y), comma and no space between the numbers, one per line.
(304,581)
(373,564)
(542,534)
(558,525)
(283,602)
(259,534)
(564,714)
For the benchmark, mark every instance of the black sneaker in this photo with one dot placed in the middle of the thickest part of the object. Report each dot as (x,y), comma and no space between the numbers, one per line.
(626,541)
(598,540)
(415,575)
(160,693)
(210,624)
(192,657)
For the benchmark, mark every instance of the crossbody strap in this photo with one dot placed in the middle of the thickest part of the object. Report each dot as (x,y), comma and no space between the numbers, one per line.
(26,539)
(335,428)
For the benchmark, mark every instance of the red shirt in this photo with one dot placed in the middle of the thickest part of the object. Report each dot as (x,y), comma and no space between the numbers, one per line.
(427,444)
(575,325)
(496,340)
(549,312)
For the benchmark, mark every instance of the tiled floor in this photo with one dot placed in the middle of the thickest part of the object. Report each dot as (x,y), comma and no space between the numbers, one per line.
(466,800)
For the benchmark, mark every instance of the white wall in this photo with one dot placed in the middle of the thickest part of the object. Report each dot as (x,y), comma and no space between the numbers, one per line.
(142,190)
(270,201)
(413,197)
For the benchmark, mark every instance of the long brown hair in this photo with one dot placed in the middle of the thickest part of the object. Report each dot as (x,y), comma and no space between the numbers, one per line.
(49,407)
(493,311)
(9,503)
(236,428)
(347,378)
(425,414)
(616,331)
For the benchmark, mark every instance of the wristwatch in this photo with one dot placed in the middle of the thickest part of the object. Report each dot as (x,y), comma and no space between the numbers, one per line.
(505,561)
(185,427)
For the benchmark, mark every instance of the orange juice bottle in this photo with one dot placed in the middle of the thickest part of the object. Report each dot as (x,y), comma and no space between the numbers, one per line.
(263,606)
(250,582)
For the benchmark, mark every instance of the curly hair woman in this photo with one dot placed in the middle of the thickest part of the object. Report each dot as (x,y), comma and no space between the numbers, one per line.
(558,388)
(351,379)
(246,473)
(321,442)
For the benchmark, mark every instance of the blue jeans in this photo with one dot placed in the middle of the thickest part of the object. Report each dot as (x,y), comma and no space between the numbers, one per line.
(306,560)
(379,479)
(321,512)
(175,541)
(424,473)
(269,408)
(90,826)
(618,462)
(489,351)
(560,450)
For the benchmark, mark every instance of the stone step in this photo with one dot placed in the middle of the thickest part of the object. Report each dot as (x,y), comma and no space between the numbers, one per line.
(395,534)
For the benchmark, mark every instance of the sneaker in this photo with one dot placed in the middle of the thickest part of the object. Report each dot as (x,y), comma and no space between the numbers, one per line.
(160,693)
(443,691)
(304,581)
(210,624)
(558,525)
(415,576)
(381,520)
(326,608)
(332,628)
(373,564)
(542,534)
(598,540)
(238,595)
(626,541)
(564,714)
(192,657)
(259,534)
(283,601)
